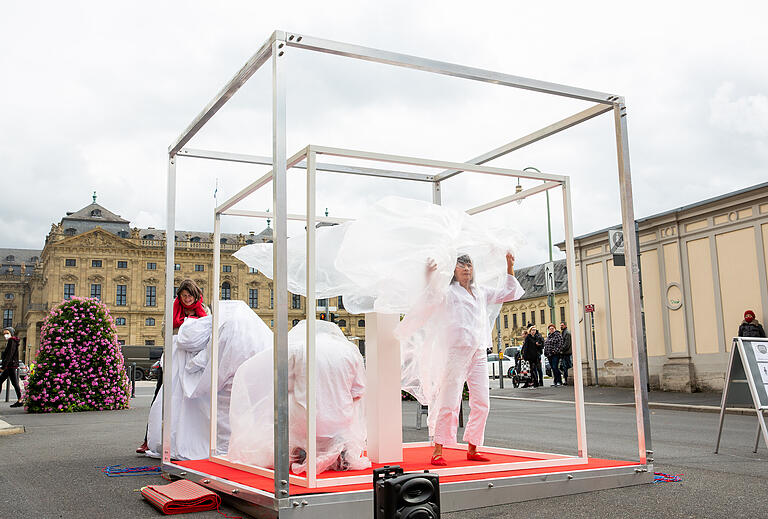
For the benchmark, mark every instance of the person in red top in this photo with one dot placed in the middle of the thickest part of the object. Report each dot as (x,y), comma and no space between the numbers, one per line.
(188,304)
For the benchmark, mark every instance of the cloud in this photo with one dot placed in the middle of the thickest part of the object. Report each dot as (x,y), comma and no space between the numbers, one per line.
(745,115)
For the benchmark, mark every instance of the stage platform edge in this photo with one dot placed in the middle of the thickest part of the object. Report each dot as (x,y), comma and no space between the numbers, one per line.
(485,490)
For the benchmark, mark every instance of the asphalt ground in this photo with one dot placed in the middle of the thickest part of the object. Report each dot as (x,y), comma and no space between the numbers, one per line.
(53,469)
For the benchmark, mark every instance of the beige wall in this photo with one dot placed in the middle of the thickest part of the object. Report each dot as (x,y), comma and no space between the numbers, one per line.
(702,266)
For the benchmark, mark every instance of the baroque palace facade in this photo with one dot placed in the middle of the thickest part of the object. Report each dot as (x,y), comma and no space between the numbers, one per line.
(95,253)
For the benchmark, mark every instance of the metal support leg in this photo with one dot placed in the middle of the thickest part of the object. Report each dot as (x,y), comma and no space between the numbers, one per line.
(639,367)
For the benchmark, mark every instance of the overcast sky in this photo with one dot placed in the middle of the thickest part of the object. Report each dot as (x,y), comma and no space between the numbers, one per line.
(92,94)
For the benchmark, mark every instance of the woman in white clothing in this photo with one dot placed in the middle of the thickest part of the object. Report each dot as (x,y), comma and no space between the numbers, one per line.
(464,310)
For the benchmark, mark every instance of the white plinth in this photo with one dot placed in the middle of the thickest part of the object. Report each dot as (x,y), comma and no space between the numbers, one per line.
(382,395)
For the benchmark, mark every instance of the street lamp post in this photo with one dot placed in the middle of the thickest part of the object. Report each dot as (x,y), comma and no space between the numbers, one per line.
(550,297)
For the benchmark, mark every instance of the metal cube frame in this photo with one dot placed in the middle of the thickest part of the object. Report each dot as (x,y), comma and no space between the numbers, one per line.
(274,50)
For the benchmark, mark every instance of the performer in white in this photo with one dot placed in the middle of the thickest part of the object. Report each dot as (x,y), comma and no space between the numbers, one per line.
(242,334)
(456,328)
(340,386)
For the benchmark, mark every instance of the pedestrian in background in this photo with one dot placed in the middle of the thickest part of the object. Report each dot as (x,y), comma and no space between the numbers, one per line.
(532,345)
(11,363)
(566,360)
(553,347)
(750,327)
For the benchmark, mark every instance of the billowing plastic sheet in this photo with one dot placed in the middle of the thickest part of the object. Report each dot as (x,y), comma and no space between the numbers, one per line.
(340,387)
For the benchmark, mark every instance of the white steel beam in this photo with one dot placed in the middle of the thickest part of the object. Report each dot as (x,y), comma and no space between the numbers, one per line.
(220,99)
(444,68)
(536,136)
(511,198)
(170,244)
(289,216)
(215,295)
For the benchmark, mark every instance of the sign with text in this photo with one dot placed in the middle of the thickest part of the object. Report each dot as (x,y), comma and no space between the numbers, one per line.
(746,382)
(589,308)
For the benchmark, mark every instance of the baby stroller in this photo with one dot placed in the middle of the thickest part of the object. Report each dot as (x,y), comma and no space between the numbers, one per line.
(521,373)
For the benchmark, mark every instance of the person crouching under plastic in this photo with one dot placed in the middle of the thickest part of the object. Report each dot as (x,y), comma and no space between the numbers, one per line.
(467,332)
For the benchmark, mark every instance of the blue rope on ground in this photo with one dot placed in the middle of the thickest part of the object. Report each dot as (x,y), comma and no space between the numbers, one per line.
(115,471)
(660,477)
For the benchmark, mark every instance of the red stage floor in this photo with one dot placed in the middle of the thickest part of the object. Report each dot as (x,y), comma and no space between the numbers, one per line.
(416,459)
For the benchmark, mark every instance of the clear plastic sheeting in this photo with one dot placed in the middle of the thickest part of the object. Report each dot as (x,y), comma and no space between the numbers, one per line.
(242,334)
(377,262)
(340,420)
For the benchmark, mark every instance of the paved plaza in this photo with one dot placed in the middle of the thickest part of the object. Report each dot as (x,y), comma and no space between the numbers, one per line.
(52,469)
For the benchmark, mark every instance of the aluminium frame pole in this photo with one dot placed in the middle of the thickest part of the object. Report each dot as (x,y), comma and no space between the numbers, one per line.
(214,359)
(639,368)
(280,274)
(170,245)
(570,258)
(311,380)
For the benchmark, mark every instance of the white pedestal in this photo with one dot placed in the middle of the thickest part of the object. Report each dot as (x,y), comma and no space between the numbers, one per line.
(383,403)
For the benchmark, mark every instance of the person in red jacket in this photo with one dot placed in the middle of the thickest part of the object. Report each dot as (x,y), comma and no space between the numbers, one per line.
(11,363)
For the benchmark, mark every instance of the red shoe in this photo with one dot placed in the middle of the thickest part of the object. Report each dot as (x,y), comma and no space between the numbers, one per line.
(142,448)
(439,461)
(477,457)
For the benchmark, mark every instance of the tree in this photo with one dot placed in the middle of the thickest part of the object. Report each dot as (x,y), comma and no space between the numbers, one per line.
(79,365)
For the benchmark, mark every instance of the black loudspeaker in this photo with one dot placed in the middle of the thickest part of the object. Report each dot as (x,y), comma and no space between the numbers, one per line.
(405,496)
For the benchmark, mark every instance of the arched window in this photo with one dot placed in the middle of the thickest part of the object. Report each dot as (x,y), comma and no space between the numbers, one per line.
(361,323)
(148,237)
(295,322)
(10,257)
(96,213)
(123,234)
(70,231)
(195,239)
(34,258)
(226,290)
(249,242)
(223,240)
(150,321)
(342,323)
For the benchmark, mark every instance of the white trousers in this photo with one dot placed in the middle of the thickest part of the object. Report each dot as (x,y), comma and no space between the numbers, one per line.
(448,402)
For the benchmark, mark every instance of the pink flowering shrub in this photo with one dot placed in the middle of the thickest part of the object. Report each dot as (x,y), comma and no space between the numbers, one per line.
(79,365)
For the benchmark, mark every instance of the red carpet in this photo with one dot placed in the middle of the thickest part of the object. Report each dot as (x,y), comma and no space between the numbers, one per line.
(181,497)
(416,459)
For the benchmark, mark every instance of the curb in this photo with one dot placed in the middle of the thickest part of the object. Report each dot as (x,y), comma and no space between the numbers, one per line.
(651,405)
(7,429)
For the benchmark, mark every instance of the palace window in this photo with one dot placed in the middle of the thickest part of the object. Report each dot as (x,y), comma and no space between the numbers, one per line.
(122,264)
(295,322)
(562,314)
(151,266)
(70,262)
(149,342)
(7,318)
(252,270)
(69,290)
(70,231)
(177,266)
(9,296)
(296,301)
(506,321)
(148,237)
(340,303)
(271,297)
(121,342)
(226,268)
(514,320)
(96,291)
(120,321)
(96,264)
(533,317)
(523,322)
(543,317)
(342,323)
(120,295)
(151,296)
(253,297)
(195,239)
(223,241)
(123,234)
(361,323)
(322,303)
(226,291)
(149,321)
(199,268)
